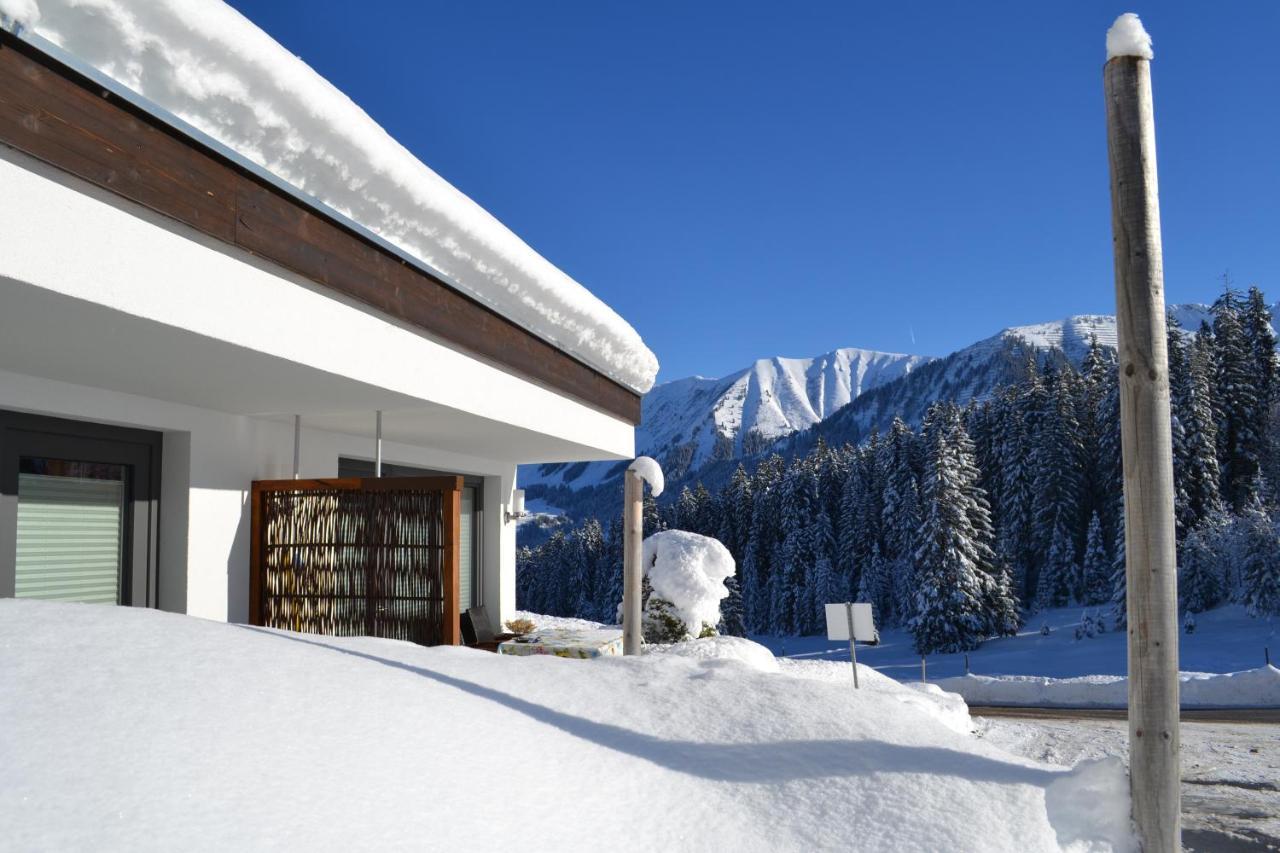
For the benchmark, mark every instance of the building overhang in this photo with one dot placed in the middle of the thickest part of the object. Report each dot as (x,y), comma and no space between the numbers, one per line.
(87,128)
(102,292)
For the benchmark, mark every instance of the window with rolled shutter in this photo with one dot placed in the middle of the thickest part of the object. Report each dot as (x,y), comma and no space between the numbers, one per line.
(70,534)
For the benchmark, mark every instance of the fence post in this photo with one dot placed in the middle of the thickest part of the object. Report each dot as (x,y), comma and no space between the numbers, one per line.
(451,508)
(1147,450)
(256,569)
(632,571)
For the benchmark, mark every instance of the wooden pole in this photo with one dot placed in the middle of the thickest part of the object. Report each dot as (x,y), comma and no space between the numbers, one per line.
(632,571)
(1147,451)
(377,445)
(451,517)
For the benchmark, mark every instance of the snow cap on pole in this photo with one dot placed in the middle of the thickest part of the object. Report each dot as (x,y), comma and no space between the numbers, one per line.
(650,471)
(1127,37)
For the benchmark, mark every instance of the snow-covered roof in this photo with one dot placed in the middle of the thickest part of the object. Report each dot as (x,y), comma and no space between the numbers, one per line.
(211,67)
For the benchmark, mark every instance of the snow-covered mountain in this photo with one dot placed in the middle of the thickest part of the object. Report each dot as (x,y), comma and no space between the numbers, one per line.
(699,428)
(689,422)
(976,371)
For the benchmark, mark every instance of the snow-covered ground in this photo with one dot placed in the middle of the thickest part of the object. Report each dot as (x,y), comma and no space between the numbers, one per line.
(125,728)
(1225,640)
(1230,772)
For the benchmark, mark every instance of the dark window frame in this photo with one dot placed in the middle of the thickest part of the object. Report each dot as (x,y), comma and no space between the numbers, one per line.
(23,434)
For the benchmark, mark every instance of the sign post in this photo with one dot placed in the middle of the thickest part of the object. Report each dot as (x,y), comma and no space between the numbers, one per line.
(851,622)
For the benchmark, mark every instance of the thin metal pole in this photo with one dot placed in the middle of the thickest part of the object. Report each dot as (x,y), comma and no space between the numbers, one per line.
(1147,455)
(377,447)
(853,654)
(297,446)
(632,570)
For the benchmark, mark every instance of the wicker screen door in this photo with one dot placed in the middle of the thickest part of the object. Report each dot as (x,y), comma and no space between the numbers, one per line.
(351,556)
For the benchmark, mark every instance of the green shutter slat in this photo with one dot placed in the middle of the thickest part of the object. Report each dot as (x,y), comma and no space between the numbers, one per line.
(69,538)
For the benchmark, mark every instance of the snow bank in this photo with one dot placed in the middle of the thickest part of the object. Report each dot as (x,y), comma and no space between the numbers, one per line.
(950,709)
(1127,37)
(209,65)
(1254,688)
(1094,794)
(257,738)
(737,649)
(688,570)
(543,622)
(650,471)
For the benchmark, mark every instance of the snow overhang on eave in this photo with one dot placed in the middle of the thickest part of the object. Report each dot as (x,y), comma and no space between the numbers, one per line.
(605,392)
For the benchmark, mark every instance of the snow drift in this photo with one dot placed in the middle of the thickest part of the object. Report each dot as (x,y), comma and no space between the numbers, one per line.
(123,728)
(211,67)
(1253,688)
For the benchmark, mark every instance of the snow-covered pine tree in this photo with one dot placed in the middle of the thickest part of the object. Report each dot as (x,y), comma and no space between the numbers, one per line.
(1097,565)
(1202,474)
(1258,555)
(1059,571)
(735,515)
(1266,371)
(1238,440)
(798,511)
(731,624)
(1199,580)
(1000,605)
(949,613)
(901,503)
(1098,377)
(875,588)
(761,551)
(587,558)
(1262,349)
(1119,582)
(1057,464)
(1014,535)
(823,582)
(1180,403)
(610,588)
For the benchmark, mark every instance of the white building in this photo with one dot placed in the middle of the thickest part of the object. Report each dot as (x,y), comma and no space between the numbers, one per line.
(168,306)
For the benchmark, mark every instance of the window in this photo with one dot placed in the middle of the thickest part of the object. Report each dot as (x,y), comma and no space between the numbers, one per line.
(78,511)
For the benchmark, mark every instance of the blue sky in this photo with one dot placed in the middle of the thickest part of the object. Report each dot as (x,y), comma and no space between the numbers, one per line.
(744,179)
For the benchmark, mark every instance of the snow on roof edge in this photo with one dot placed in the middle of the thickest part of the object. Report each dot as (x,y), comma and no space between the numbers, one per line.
(229,85)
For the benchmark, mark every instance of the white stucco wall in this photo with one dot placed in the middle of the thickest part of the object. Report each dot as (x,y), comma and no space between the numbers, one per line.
(113,314)
(209,460)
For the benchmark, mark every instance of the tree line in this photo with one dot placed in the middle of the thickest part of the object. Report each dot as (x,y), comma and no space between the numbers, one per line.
(963,527)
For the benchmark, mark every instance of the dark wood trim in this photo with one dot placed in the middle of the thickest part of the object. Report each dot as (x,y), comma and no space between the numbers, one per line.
(452,629)
(53,113)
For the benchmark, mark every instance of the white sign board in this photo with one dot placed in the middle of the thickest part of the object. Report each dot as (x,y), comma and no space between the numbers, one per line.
(864,626)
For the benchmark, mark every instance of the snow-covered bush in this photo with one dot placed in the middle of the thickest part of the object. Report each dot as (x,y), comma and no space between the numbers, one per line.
(684,575)
(1090,626)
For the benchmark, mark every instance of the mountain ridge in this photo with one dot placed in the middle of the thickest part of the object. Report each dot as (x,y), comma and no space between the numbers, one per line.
(701,428)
